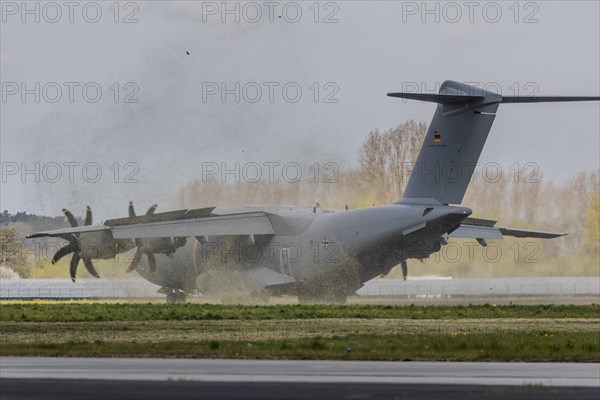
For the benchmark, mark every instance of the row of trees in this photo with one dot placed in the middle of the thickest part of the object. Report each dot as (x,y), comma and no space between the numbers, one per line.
(11,252)
(379,179)
(385,157)
(521,199)
(16,252)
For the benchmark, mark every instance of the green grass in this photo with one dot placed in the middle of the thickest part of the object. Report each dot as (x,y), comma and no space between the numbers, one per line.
(476,333)
(75,312)
(566,347)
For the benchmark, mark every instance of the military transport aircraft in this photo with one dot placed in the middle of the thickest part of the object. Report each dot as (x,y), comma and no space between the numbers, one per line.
(314,253)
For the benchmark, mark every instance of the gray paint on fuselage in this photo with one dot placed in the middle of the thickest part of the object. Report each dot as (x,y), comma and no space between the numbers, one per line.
(320,242)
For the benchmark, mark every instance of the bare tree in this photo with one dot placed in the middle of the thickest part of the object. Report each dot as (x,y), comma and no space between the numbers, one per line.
(402,145)
(10,245)
(388,158)
(373,159)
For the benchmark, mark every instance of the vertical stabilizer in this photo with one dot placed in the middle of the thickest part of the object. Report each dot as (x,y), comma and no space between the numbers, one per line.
(453,143)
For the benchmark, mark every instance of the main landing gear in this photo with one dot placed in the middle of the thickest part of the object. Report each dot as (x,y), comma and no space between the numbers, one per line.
(176,297)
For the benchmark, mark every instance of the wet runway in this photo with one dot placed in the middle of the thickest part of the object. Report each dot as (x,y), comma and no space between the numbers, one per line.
(39,377)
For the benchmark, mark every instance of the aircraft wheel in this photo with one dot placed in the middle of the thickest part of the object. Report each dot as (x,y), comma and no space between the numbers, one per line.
(181,298)
(176,298)
(172,298)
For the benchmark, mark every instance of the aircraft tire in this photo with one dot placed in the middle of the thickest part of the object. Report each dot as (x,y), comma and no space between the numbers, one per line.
(176,298)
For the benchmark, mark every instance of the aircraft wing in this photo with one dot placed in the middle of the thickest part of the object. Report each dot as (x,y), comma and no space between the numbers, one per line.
(256,223)
(476,228)
(181,223)
(66,232)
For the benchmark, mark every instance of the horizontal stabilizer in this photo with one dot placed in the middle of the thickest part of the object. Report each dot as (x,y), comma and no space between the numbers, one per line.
(523,233)
(474,228)
(476,232)
(437,98)
(457,98)
(546,99)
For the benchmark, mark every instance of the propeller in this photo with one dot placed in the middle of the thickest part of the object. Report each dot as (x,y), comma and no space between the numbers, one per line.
(149,247)
(404,266)
(75,246)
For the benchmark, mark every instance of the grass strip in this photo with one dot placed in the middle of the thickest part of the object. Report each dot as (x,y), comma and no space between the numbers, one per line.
(76,312)
(514,346)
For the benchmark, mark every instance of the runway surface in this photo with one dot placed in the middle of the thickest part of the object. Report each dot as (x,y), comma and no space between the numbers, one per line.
(84,288)
(65,378)
(129,390)
(547,374)
(467,287)
(423,289)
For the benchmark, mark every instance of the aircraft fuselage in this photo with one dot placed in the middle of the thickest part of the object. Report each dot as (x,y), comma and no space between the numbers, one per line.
(331,251)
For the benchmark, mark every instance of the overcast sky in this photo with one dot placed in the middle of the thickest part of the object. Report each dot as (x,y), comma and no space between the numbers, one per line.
(161,115)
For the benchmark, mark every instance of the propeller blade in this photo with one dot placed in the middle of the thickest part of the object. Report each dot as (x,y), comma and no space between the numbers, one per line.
(70,217)
(131,210)
(74,263)
(136,260)
(404,266)
(90,267)
(151,262)
(88,216)
(63,251)
(152,209)
(138,242)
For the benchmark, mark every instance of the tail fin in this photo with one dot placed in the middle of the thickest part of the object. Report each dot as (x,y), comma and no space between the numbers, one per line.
(455,139)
